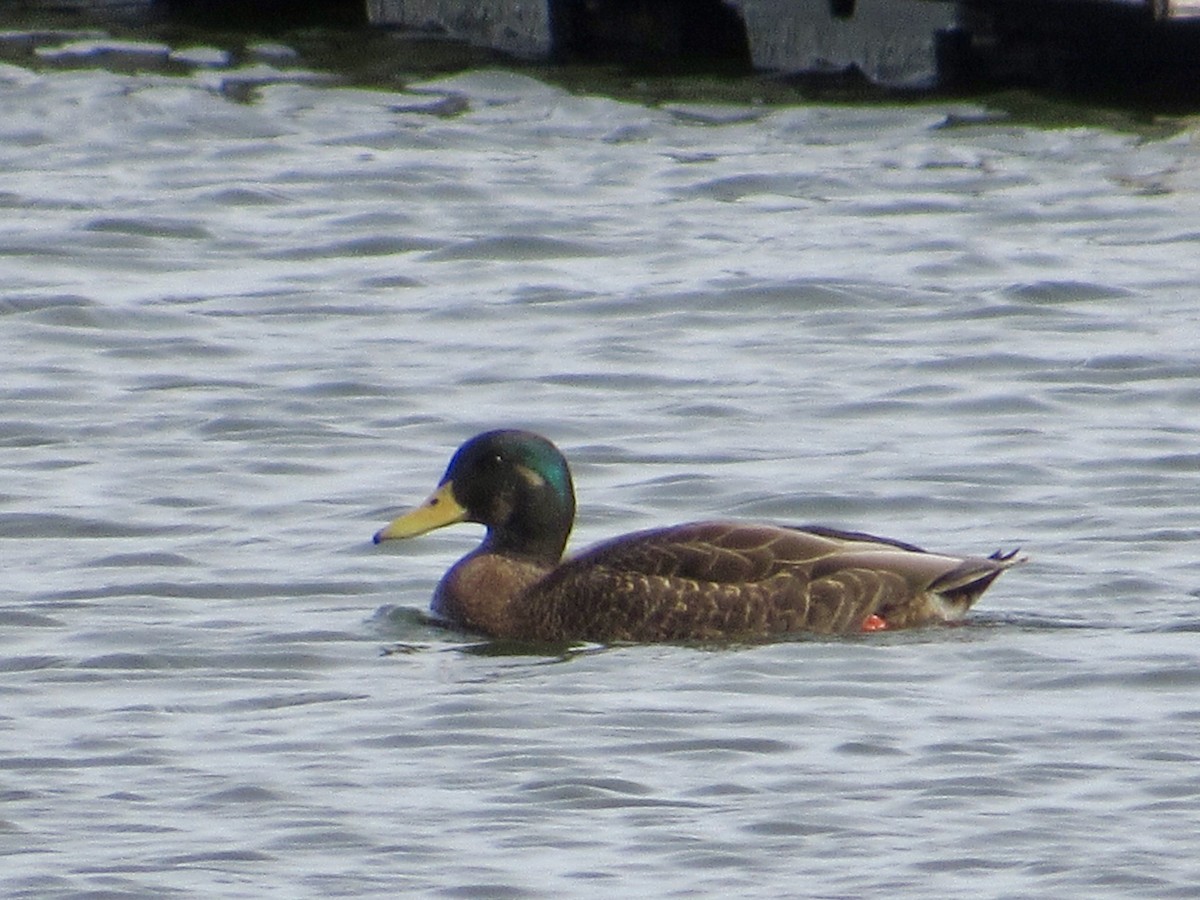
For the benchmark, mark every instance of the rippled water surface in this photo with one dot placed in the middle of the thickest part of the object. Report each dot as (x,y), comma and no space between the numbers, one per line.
(245,318)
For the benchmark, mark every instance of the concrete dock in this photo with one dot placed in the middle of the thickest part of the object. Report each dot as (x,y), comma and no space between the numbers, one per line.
(1111,44)
(899,43)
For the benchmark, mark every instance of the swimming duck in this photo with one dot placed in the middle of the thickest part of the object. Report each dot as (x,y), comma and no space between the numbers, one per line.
(699,581)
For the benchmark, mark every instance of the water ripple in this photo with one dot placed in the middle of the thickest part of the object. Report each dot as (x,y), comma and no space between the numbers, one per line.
(248,316)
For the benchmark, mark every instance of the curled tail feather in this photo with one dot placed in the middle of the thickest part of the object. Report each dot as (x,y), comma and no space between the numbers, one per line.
(964,584)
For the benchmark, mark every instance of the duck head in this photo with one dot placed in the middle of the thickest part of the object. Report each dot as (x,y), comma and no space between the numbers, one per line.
(515,483)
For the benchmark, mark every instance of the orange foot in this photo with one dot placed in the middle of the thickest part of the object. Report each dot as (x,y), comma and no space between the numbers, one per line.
(874,623)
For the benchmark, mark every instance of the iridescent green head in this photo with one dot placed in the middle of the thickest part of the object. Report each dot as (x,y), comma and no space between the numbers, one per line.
(515,482)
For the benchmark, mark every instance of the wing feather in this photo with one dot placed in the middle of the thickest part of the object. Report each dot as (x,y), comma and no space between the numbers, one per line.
(713,580)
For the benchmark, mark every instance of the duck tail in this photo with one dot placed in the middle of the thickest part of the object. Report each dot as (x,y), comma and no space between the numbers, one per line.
(966,582)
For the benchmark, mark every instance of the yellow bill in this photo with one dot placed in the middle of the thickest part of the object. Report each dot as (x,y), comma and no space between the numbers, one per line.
(440,509)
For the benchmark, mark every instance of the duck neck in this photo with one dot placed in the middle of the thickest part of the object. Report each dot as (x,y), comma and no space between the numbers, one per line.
(541,544)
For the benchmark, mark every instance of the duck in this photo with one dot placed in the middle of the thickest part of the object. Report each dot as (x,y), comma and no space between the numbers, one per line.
(702,581)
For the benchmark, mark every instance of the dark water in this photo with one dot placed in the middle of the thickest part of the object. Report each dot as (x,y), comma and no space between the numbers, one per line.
(245,318)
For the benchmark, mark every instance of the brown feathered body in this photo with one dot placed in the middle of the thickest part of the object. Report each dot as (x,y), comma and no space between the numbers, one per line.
(714,581)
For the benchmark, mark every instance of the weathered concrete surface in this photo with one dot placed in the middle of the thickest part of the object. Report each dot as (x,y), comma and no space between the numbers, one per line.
(518,27)
(891,41)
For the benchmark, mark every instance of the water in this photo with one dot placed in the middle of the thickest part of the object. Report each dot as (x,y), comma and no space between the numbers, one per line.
(247,316)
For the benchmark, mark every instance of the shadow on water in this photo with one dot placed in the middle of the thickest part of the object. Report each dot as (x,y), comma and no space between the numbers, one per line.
(415,632)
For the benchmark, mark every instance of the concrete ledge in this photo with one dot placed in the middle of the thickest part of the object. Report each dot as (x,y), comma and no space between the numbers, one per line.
(518,27)
(890,41)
